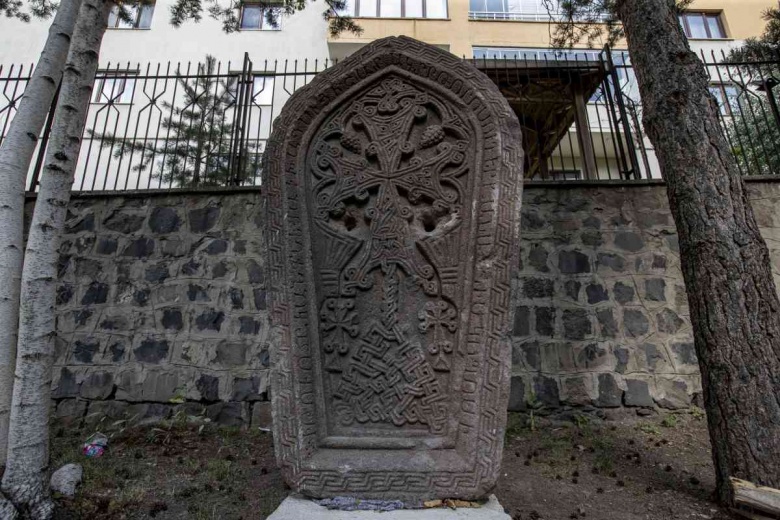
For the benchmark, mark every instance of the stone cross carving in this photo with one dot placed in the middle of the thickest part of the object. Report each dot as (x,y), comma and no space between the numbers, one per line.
(393,185)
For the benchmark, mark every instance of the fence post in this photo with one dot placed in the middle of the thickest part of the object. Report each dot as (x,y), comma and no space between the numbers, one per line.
(243,96)
(44,142)
(623,115)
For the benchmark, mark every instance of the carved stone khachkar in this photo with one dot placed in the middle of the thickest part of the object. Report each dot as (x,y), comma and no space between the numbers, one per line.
(393,194)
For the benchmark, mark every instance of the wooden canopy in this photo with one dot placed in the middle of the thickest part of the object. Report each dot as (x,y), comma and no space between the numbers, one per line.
(548,97)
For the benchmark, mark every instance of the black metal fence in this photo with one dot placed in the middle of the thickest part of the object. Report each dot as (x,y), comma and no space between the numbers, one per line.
(185,125)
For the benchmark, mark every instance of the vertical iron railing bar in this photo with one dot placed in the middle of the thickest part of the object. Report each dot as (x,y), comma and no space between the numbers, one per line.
(170,122)
(620,151)
(597,110)
(247,99)
(115,96)
(225,139)
(100,83)
(130,108)
(218,100)
(724,124)
(150,105)
(594,108)
(43,142)
(185,121)
(748,97)
(546,72)
(581,153)
(237,107)
(624,118)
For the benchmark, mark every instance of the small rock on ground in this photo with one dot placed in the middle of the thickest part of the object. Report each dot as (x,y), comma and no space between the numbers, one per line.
(65,479)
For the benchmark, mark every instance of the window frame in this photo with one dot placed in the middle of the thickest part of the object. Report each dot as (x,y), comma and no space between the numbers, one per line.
(705,15)
(356,11)
(264,26)
(138,11)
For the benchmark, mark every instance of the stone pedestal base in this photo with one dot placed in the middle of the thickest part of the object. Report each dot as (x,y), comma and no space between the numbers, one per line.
(296,507)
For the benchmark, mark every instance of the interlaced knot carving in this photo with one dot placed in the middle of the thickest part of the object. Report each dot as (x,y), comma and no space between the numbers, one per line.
(389,171)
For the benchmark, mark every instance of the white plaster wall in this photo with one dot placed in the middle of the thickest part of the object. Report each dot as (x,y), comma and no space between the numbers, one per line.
(302,35)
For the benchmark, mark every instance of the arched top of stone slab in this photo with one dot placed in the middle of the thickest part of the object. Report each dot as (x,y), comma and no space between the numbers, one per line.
(393,185)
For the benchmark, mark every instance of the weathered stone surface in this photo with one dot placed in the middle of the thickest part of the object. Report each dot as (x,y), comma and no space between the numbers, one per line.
(296,507)
(517,401)
(164,221)
(635,322)
(573,262)
(537,257)
(98,385)
(655,289)
(208,386)
(393,202)
(637,393)
(668,321)
(139,248)
(610,394)
(623,293)
(65,480)
(596,293)
(261,416)
(546,391)
(576,324)
(629,241)
(673,394)
(152,351)
(522,325)
(545,321)
(204,219)
(539,288)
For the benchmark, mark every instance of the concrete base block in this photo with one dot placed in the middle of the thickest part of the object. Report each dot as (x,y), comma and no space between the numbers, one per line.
(296,507)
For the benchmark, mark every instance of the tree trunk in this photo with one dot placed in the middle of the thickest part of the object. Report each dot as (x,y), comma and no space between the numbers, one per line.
(25,482)
(733,301)
(16,153)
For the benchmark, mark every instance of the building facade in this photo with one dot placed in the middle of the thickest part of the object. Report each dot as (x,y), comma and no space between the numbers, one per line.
(464,27)
(136,53)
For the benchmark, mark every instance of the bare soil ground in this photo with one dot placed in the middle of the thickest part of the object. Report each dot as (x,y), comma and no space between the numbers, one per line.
(655,468)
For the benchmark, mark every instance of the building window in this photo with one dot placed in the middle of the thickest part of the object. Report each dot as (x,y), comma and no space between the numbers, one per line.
(253,18)
(138,17)
(396,8)
(702,26)
(727,98)
(113,89)
(523,10)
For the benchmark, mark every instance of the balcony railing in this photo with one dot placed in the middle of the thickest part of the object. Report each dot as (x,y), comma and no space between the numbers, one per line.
(522,16)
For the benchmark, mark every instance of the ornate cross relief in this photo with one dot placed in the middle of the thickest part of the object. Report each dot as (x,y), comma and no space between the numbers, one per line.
(393,185)
(389,179)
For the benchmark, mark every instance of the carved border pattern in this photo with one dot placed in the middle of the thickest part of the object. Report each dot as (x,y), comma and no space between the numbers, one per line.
(487,365)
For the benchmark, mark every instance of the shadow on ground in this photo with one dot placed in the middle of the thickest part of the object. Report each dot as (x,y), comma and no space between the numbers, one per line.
(655,468)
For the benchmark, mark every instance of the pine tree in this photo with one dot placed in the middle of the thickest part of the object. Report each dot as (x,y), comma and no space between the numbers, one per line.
(197,148)
(735,311)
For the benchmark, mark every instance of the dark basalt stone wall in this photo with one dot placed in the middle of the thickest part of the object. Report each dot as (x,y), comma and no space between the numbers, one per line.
(162,303)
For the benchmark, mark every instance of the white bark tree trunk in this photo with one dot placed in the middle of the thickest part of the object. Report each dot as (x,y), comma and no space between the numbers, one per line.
(24,481)
(16,154)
